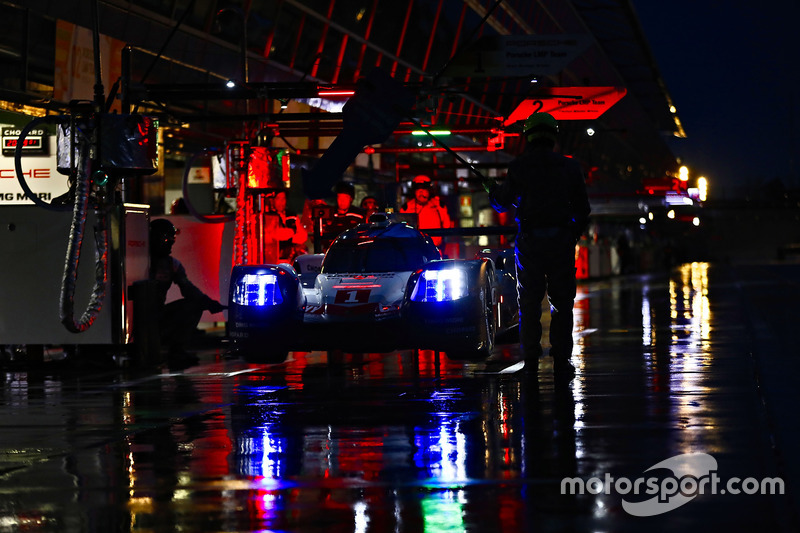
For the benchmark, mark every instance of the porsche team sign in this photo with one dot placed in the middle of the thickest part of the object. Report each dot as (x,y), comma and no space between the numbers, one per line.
(569,103)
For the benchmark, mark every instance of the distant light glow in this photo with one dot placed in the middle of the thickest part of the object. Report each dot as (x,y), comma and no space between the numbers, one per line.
(672,198)
(325,93)
(642,220)
(671,213)
(230,84)
(702,186)
(683,173)
(590,131)
(696,221)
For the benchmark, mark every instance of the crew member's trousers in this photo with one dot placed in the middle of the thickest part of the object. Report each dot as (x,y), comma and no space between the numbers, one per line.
(545,261)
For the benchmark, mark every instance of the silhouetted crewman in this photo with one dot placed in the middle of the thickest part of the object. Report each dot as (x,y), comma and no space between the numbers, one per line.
(548,191)
(177,320)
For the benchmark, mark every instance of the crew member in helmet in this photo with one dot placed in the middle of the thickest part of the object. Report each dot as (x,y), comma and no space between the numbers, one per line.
(178,319)
(548,192)
(431,214)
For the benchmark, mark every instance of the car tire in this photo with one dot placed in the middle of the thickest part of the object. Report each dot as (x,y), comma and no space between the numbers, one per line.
(485,345)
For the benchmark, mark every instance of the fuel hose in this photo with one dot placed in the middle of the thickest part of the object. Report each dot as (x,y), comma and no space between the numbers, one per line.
(70,279)
(77,228)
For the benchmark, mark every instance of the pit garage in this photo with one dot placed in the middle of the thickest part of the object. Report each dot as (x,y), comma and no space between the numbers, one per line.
(228,119)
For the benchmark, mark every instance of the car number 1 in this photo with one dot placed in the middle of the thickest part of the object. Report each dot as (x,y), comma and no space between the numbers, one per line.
(352,296)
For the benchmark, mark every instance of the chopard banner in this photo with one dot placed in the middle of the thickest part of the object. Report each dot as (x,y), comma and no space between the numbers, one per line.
(38,162)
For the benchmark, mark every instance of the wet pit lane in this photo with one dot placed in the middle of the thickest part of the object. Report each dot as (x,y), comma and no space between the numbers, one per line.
(690,362)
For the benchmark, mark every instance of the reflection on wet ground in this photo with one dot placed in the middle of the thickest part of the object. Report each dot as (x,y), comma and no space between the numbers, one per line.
(685,363)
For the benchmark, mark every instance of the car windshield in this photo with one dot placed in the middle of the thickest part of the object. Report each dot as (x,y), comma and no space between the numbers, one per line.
(378,255)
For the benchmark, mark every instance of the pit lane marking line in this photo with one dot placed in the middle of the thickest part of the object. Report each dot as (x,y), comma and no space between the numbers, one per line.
(584,332)
(167,375)
(516,367)
(513,368)
(231,374)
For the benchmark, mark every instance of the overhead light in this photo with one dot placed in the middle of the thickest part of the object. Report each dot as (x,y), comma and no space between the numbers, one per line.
(431,132)
(323,92)
(590,131)
(702,186)
(230,84)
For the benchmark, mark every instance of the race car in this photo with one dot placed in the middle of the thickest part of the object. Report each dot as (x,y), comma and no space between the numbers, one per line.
(381,286)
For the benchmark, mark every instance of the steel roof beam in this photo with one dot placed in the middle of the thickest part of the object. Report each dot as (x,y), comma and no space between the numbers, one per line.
(322,18)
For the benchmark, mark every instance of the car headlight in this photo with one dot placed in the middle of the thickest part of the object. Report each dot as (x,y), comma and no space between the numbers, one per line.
(257,290)
(440,285)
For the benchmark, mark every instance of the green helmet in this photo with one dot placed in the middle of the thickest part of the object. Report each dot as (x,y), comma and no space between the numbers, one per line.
(540,126)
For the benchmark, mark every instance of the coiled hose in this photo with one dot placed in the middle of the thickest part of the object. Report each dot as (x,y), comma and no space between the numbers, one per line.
(69,281)
(77,228)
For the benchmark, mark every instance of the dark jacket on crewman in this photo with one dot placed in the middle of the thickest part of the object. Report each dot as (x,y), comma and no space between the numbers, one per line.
(547,189)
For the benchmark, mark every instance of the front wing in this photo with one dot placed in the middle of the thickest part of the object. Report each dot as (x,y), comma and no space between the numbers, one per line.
(442,306)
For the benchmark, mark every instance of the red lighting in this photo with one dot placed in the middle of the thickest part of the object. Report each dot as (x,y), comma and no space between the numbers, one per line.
(582,263)
(259,167)
(497,142)
(323,93)
(569,103)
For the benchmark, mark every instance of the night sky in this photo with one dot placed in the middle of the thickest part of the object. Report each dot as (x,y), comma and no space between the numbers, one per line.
(733,70)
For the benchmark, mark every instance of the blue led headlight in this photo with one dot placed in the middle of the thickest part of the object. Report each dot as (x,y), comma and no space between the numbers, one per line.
(260,289)
(440,285)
